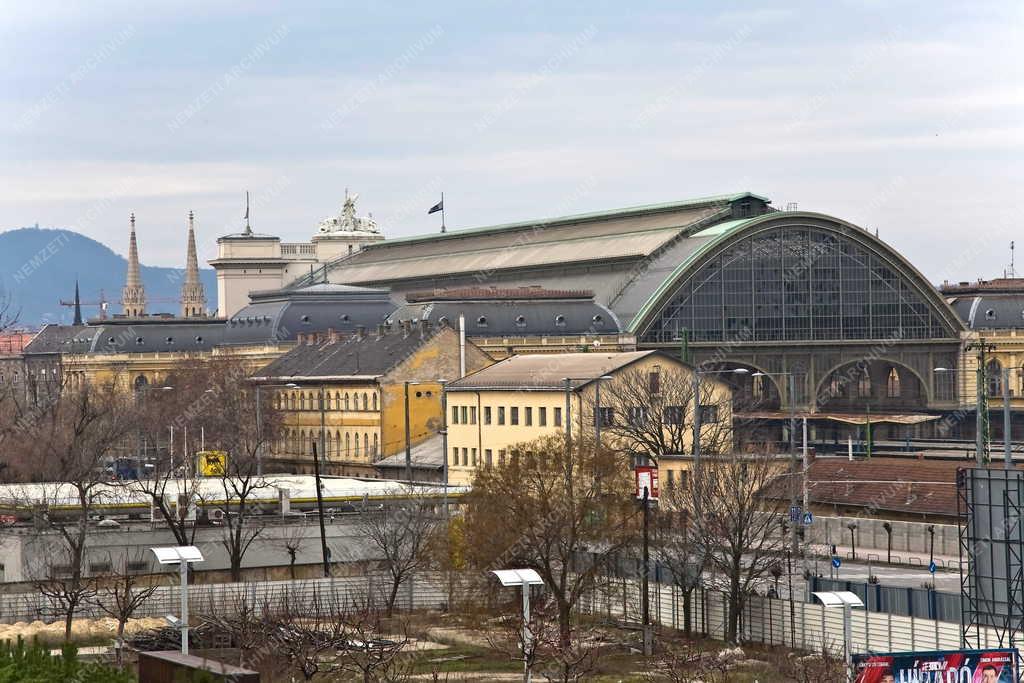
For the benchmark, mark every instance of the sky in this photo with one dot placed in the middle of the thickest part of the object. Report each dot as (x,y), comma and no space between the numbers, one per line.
(900,117)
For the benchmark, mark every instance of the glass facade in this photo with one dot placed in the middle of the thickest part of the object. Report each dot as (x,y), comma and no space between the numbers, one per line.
(796,284)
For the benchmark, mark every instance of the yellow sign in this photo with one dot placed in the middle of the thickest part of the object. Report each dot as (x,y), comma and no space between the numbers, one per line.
(213,463)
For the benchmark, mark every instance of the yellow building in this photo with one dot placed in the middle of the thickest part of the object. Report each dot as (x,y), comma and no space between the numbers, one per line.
(641,397)
(347,394)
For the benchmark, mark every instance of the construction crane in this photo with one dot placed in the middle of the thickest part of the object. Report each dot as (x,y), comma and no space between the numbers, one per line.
(102,303)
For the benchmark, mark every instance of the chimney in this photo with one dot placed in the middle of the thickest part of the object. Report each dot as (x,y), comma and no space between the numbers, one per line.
(406,328)
(311,338)
(381,330)
(424,329)
(360,332)
(332,335)
(300,338)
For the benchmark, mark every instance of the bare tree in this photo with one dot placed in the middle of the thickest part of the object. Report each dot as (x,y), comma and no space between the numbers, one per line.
(677,548)
(540,646)
(689,662)
(69,441)
(292,538)
(549,505)
(403,532)
(651,413)
(734,531)
(120,595)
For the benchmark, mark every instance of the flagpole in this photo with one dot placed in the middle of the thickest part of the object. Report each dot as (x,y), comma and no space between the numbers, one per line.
(442,213)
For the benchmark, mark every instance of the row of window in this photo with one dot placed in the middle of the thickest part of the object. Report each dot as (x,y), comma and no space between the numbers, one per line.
(336,401)
(514,415)
(349,444)
(636,415)
(469,458)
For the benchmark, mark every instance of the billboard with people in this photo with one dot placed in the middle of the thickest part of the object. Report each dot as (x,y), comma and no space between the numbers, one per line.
(949,666)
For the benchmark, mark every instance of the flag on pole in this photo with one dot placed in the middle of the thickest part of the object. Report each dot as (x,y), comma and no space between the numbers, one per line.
(436,207)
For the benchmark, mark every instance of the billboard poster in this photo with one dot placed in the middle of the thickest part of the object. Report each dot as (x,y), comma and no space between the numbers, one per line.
(950,666)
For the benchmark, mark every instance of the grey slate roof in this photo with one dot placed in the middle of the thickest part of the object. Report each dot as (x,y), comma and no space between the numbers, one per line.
(990,311)
(50,339)
(144,336)
(281,315)
(349,356)
(516,317)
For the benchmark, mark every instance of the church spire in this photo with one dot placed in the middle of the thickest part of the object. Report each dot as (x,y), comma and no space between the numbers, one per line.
(78,306)
(133,295)
(193,297)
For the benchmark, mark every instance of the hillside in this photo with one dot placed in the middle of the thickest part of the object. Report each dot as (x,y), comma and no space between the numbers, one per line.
(38,267)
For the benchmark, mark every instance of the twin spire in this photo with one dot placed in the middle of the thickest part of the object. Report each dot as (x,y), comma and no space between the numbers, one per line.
(193,296)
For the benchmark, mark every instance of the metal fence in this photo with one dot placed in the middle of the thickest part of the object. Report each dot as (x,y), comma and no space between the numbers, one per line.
(906,602)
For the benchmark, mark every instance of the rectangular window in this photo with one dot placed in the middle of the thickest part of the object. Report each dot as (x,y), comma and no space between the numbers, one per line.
(708,414)
(462,415)
(671,479)
(542,417)
(558,417)
(513,416)
(684,478)
(654,382)
(501,415)
(487,456)
(528,416)
(501,457)
(607,417)
(473,461)
(487,415)
(455,415)
(637,416)
(465,457)
(472,415)
(673,415)
(455,456)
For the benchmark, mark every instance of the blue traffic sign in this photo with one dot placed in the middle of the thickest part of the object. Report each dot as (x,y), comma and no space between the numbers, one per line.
(794,514)
(836,562)
(932,567)
(808,519)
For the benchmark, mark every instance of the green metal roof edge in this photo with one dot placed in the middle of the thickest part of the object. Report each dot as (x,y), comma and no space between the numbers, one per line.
(723,231)
(718,233)
(572,218)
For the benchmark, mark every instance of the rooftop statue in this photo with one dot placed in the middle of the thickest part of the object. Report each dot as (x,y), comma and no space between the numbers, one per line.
(347,221)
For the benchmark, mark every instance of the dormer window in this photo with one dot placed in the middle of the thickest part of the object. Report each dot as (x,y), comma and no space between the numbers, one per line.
(140,341)
(344,317)
(199,340)
(598,320)
(520,321)
(559,320)
(170,340)
(305,319)
(990,314)
(481,321)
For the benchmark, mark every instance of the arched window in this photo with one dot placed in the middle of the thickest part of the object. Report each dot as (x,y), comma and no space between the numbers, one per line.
(348,446)
(346,400)
(366,402)
(357,444)
(994,377)
(366,444)
(375,401)
(337,400)
(375,444)
(302,401)
(141,383)
(864,384)
(892,385)
(836,387)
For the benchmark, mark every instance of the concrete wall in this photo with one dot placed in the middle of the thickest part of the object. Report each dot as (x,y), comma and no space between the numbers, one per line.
(907,537)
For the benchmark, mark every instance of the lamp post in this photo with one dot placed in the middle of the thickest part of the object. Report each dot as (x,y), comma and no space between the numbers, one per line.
(408,435)
(791,398)
(523,578)
(181,555)
(444,440)
(847,601)
(259,422)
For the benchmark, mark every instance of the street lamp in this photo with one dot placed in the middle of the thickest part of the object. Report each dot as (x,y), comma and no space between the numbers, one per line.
(524,578)
(847,601)
(181,556)
(408,435)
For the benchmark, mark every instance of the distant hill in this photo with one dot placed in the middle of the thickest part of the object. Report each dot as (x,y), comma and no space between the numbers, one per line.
(38,268)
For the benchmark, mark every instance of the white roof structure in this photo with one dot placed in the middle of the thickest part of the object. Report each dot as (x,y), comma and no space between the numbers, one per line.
(518,577)
(177,554)
(211,491)
(838,599)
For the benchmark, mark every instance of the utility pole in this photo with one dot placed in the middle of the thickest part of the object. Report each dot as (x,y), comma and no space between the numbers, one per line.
(408,439)
(645,601)
(320,511)
(1007,429)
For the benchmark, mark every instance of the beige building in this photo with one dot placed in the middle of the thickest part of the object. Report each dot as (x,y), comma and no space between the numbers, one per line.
(347,394)
(250,262)
(526,397)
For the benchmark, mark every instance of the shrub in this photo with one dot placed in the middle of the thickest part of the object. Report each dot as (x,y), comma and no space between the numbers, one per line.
(21,663)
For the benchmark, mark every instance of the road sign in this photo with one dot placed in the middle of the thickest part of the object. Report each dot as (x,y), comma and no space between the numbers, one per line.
(836,562)
(794,514)
(932,567)
(808,519)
